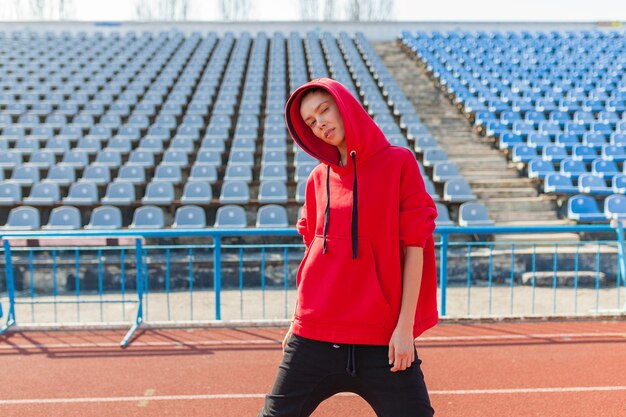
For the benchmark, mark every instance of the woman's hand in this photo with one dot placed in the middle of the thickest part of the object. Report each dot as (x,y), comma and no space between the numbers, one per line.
(401,349)
(287,336)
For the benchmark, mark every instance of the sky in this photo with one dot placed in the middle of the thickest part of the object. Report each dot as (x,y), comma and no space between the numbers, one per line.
(405,10)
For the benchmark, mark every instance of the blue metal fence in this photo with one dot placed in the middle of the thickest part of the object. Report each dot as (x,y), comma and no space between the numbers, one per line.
(478,276)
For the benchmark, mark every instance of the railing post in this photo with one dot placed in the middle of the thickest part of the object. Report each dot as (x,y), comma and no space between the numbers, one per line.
(217,274)
(139,280)
(10,287)
(443,271)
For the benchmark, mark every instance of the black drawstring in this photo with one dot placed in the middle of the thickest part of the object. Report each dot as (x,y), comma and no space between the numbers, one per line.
(351,366)
(327,211)
(355,211)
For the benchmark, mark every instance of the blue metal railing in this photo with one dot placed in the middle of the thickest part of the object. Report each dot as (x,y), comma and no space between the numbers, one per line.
(449,250)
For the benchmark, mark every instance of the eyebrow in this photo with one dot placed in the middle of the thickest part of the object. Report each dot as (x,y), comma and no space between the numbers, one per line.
(318,106)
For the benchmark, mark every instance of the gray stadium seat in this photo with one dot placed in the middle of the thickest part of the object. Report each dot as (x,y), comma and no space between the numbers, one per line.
(105,217)
(119,194)
(64,218)
(43,194)
(443,215)
(189,217)
(272,215)
(23,218)
(197,192)
(230,216)
(147,217)
(273,172)
(444,171)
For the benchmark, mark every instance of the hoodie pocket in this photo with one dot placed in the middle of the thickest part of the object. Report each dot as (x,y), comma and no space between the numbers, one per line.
(334,288)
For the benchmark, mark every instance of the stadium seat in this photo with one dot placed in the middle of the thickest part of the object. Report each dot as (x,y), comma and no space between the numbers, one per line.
(474,214)
(230,216)
(443,215)
(82,194)
(615,206)
(197,192)
(133,174)
(618,184)
(273,172)
(42,159)
(189,217)
(206,173)
(23,218)
(119,194)
(10,193)
(573,169)
(43,194)
(431,156)
(272,191)
(64,218)
(169,173)
(592,184)
(584,208)
(159,193)
(61,174)
(603,168)
(105,217)
(538,168)
(458,190)
(558,184)
(234,192)
(147,217)
(25,174)
(444,171)
(238,173)
(97,174)
(272,215)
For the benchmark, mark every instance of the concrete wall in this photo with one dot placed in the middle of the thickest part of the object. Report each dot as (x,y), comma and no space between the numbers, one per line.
(376,31)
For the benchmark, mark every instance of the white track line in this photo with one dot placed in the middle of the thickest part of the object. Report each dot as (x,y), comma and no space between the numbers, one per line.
(244,396)
(139,343)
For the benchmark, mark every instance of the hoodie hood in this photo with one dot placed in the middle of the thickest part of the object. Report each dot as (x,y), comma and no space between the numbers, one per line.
(363,136)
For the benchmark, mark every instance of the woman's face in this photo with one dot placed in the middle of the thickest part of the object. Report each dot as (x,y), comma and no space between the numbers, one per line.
(320,112)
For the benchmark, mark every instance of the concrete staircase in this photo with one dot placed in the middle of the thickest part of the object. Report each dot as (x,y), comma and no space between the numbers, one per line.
(510,198)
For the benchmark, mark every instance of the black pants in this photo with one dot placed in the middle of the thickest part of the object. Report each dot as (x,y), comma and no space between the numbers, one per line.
(312,371)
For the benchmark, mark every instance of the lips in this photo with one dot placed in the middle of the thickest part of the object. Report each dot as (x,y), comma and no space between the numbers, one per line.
(328,133)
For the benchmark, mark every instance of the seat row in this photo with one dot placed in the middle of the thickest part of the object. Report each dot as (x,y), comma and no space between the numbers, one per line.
(144,217)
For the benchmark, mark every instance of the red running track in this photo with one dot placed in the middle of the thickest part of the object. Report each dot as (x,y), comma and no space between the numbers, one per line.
(505,369)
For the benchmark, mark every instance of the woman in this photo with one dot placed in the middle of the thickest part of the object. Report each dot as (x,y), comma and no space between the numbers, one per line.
(367,283)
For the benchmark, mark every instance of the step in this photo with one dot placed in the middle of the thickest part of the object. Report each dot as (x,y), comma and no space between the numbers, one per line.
(519,182)
(531,204)
(508,216)
(471,175)
(488,193)
(536,237)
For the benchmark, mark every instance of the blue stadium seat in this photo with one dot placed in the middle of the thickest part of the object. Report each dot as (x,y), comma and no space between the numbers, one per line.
(82,194)
(10,159)
(444,171)
(572,168)
(273,172)
(159,193)
(524,153)
(458,190)
(238,172)
(538,168)
(133,174)
(64,218)
(615,206)
(614,153)
(618,184)
(108,158)
(169,173)
(558,184)
(61,174)
(25,174)
(272,191)
(189,217)
(105,217)
(23,218)
(474,214)
(584,208)
(272,215)
(147,217)
(119,194)
(43,194)
(554,153)
(10,193)
(603,168)
(443,215)
(42,159)
(197,192)
(230,216)
(592,184)
(234,192)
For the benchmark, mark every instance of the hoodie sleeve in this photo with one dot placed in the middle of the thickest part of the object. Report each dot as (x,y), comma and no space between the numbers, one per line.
(417,209)
(306,223)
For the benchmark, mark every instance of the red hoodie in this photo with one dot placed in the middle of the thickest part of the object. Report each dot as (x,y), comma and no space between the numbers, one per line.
(350,279)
